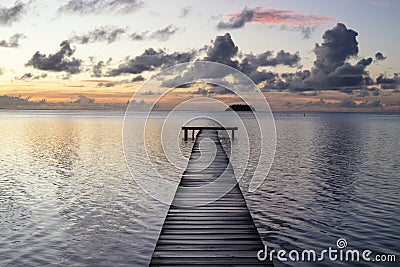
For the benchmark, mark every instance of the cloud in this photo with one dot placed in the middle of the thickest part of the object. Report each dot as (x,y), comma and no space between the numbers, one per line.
(111,34)
(97,69)
(268,59)
(165,33)
(107,34)
(150,60)
(339,44)
(214,90)
(138,78)
(12,14)
(107,84)
(161,35)
(346,103)
(306,31)
(250,65)
(380,4)
(185,12)
(389,83)
(84,100)
(136,36)
(112,83)
(331,69)
(379,56)
(12,101)
(237,20)
(222,50)
(30,76)
(100,6)
(63,60)
(286,19)
(13,42)
(362,93)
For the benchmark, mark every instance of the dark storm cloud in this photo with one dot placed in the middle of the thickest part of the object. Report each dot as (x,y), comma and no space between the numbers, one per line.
(214,90)
(250,64)
(375,91)
(63,60)
(98,69)
(138,78)
(9,15)
(365,62)
(99,6)
(238,20)
(151,59)
(200,91)
(384,80)
(362,93)
(13,42)
(389,83)
(331,69)
(339,44)
(107,34)
(108,84)
(223,49)
(379,56)
(268,59)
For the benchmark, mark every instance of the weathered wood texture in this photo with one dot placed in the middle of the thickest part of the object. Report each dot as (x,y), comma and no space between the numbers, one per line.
(208,223)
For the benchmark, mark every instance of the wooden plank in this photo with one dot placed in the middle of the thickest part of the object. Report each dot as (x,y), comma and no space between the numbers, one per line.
(208,223)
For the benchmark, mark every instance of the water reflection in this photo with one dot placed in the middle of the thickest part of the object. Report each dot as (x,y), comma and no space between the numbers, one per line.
(67,198)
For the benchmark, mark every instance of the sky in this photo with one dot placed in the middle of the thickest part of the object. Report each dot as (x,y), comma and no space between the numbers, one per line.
(304,55)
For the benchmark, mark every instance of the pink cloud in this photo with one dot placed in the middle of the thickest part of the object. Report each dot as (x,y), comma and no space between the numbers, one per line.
(283,17)
(381,4)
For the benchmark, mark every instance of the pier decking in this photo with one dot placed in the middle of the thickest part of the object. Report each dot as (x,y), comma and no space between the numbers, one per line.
(199,128)
(208,223)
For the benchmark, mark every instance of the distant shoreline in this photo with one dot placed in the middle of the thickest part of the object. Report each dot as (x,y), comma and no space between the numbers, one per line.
(281,112)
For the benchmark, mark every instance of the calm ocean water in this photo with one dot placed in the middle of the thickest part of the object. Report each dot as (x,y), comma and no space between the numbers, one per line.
(68,199)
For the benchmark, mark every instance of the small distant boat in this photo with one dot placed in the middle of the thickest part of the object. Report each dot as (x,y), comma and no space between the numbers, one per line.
(240,107)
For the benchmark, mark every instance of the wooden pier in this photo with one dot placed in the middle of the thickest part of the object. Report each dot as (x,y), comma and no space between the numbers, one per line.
(199,128)
(208,222)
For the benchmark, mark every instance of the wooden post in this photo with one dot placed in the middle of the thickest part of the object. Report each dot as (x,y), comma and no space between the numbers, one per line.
(192,134)
(186,134)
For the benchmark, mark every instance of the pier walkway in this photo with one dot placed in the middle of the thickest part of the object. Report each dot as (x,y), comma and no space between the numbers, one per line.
(208,222)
